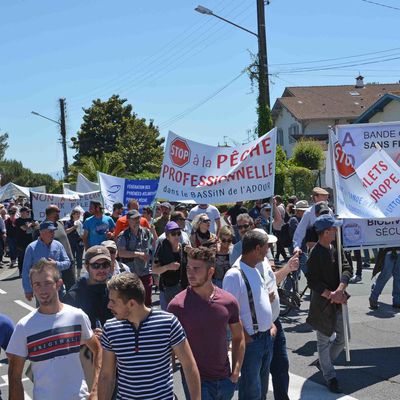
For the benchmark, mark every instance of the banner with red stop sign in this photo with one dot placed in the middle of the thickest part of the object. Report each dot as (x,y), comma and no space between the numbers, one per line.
(213,174)
(364,162)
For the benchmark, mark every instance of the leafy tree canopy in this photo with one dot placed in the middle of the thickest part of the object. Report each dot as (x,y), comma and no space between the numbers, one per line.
(308,153)
(3,144)
(111,129)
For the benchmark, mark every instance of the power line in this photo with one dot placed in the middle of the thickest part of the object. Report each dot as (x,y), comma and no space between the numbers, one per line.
(381,5)
(194,107)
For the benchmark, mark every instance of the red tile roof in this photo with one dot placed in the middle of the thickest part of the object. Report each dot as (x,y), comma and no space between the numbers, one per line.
(331,102)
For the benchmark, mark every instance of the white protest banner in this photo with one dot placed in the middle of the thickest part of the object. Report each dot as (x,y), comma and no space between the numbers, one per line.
(371,232)
(121,190)
(380,176)
(83,185)
(352,199)
(209,174)
(66,203)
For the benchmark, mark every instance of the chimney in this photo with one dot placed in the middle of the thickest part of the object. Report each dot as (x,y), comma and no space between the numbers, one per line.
(359,82)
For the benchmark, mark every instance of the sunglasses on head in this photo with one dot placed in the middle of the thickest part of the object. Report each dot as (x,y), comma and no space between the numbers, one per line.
(226,240)
(103,265)
(244,226)
(175,233)
(206,221)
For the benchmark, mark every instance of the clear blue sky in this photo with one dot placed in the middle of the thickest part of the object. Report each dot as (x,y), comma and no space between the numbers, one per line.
(165,58)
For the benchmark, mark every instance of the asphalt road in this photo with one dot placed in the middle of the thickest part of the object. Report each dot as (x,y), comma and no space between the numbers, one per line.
(373,372)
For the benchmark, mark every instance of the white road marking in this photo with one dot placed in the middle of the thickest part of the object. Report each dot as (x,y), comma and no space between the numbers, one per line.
(22,304)
(301,388)
(2,291)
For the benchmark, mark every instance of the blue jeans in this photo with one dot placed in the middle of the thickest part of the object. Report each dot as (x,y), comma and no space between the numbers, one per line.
(222,389)
(253,383)
(280,364)
(391,267)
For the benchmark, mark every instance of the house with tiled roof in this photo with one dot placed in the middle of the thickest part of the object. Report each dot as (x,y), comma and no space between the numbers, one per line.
(308,111)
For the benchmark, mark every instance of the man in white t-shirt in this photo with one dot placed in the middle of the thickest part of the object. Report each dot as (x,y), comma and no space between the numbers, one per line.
(249,287)
(50,337)
(212,213)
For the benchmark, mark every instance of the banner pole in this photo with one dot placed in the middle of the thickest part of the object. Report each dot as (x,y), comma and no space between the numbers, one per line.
(345,311)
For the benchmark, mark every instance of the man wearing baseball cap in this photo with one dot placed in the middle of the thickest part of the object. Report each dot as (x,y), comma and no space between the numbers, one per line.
(328,293)
(134,247)
(309,217)
(45,247)
(117,267)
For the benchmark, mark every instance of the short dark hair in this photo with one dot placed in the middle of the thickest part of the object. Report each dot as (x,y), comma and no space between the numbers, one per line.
(52,208)
(43,264)
(252,239)
(117,206)
(129,287)
(202,253)
(176,216)
(148,210)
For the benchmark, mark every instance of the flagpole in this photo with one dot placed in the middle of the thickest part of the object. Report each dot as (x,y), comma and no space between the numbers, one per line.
(345,311)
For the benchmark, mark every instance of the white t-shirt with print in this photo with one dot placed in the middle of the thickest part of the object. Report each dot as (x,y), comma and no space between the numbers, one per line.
(52,342)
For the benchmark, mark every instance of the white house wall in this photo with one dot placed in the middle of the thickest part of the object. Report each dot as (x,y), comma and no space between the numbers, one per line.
(390,113)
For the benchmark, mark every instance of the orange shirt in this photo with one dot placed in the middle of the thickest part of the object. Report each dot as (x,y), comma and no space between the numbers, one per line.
(122,224)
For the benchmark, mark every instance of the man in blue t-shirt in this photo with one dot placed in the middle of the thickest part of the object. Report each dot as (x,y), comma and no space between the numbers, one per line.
(98,227)
(6,330)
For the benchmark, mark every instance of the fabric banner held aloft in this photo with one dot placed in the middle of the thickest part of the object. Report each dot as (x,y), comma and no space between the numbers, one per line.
(83,185)
(65,202)
(121,190)
(210,174)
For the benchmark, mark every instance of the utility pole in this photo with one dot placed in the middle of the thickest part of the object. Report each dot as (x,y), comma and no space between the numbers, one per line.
(63,132)
(263,77)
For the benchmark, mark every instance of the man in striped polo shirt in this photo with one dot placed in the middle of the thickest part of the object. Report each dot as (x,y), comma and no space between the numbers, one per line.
(139,342)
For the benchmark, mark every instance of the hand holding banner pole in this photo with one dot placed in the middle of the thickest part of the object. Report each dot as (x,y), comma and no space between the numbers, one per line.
(345,311)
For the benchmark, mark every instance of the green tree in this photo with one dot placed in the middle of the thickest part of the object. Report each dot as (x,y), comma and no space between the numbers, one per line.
(14,171)
(3,144)
(107,163)
(111,128)
(308,153)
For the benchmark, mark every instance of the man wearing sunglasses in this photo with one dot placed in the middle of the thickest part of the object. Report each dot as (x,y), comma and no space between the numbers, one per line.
(134,247)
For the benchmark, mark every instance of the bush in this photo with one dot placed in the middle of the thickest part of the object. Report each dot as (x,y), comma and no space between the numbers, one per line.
(308,153)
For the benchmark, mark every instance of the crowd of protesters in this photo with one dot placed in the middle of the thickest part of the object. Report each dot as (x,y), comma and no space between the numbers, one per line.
(96,332)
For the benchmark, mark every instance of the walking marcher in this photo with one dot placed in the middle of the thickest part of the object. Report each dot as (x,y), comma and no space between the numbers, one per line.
(163,219)
(134,248)
(280,249)
(11,230)
(25,225)
(387,265)
(201,235)
(118,209)
(179,218)
(50,337)
(170,262)
(3,238)
(122,222)
(53,214)
(98,227)
(6,330)
(309,217)
(45,246)
(247,285)
(205,312)
(74,230)
(212,213)
(117,267)
(140,341)
(327,295)
(223,251)
(231,215)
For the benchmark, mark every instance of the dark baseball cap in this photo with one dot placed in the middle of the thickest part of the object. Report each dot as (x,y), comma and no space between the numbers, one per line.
(22,209)
(171,226)
(325,222)
(133,214)
(49,225)
(96,253)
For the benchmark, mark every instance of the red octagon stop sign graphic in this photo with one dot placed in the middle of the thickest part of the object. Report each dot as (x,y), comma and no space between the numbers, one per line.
(179,152)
